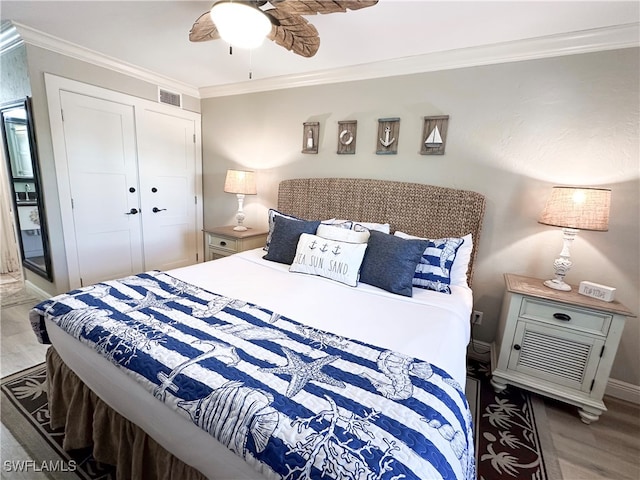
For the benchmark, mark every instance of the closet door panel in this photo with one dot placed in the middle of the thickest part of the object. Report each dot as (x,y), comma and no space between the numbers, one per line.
(102,161)
(167,165)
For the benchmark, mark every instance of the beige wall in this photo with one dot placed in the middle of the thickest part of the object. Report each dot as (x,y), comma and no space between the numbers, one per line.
(515,130)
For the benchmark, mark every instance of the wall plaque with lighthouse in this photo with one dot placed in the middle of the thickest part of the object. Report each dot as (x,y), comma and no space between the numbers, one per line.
(434,135)
(310,137)
(388,132)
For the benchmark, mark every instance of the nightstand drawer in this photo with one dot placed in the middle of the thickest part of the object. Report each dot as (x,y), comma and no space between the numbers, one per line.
(223,243)
(589,321)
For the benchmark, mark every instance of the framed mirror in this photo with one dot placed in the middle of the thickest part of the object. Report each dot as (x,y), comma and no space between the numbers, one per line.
(24,176)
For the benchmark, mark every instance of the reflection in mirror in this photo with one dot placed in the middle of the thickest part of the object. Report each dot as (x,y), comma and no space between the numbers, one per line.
(20,150)
(15,124)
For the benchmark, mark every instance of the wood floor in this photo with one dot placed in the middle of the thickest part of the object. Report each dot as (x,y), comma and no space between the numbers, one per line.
(19,349)
(608,449)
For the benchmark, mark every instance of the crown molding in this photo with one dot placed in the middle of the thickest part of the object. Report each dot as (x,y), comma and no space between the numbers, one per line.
(600,39)
(9,38)
(586,41)
(43,40)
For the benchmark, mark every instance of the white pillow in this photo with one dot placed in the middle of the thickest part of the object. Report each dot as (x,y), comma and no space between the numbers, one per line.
(340,234)
(380,227)
(461,263)
(458,272)
(338,261)
(336,222)
(273,213)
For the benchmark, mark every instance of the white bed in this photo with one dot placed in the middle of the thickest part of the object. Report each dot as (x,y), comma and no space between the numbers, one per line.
(431,326)
(415,326)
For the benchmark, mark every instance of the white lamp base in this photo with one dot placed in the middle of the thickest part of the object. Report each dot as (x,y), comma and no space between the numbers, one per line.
(557,285)
(240,214)
(563,263)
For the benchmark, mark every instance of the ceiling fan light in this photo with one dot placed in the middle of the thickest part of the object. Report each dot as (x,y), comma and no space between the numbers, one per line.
(239,24)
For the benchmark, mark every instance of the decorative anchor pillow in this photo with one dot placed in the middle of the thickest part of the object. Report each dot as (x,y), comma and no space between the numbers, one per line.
(331,259)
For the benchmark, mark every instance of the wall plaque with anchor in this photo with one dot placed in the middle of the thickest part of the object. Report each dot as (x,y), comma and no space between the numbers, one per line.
(388,132)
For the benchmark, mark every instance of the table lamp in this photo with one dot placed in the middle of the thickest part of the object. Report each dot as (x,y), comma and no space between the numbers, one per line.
(241,183)
(574,209)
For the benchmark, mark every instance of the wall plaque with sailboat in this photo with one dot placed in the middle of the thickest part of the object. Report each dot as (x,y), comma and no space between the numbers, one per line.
(434,135)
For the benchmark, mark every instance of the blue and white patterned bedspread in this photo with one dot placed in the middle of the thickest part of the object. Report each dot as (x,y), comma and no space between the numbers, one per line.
(293,401)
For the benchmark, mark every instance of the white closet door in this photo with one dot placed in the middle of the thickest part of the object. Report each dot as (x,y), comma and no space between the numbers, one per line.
(167,165)
(103,179)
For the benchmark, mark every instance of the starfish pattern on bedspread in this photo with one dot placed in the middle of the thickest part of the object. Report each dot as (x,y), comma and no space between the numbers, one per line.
(303,372)
(150,301)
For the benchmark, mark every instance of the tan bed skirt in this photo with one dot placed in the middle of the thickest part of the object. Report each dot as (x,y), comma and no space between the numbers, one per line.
(116,441)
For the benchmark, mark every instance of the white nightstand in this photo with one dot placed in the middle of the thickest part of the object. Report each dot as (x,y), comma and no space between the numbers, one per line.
(555,343)
(224,241)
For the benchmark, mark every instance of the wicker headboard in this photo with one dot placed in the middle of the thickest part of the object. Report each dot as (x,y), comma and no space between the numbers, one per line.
(422,210)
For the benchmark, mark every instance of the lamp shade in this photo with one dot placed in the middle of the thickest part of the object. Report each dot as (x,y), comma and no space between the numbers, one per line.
(240,181)
(240,24)
(582,208)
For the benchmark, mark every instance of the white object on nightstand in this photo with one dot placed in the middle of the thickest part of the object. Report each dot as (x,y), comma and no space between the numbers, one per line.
(601,292)
(224,241)
(556,343)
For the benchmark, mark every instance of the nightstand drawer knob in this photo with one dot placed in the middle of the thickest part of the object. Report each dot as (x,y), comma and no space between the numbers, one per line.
(517,347)
(223,243)
(561,316)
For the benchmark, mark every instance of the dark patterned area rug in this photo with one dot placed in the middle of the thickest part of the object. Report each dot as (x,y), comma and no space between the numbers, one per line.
(511,430)
(512,440)
(25,412)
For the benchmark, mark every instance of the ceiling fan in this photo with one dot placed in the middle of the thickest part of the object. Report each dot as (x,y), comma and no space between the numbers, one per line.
(281,19)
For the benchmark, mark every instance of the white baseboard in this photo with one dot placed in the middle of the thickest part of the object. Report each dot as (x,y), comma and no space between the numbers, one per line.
(623,391)
(479,350)
(36,291)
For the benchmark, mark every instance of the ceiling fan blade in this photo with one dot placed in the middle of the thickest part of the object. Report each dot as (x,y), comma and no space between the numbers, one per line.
(203,29)
(312,7)
(294,33)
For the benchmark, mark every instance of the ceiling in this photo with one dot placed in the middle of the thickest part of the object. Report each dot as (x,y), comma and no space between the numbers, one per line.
(152,36)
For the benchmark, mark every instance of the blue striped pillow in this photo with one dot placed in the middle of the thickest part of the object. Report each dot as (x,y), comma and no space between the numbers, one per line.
(433,272)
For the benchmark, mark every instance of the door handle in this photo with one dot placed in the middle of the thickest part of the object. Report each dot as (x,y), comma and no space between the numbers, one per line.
(156,209)
(133,211)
